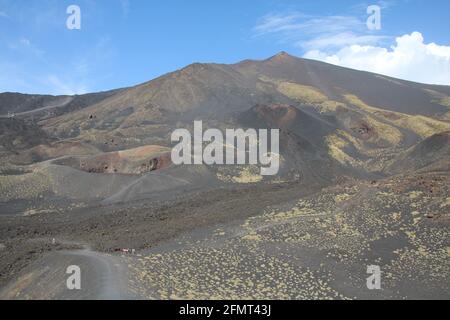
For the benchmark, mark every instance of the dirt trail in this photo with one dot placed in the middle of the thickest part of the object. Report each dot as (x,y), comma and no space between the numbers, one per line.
(63,103)
(103,277)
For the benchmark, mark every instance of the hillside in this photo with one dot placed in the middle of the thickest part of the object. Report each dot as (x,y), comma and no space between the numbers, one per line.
(335,123)
(363,178)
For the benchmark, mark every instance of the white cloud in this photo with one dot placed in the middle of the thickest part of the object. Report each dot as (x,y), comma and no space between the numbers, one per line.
(3,14)
(410,58)
(346,41)
(316,32)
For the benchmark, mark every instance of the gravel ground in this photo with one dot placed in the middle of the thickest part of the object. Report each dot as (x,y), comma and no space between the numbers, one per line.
(138,225)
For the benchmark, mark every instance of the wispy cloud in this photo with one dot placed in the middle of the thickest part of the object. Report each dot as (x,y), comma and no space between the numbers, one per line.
(25,45)
(17,78)
(63,86)
(298,22)
(340,40)
(34,71)
(13,77)
(315,32)
(32,64)
(383,4)
(3,14)
(125,6)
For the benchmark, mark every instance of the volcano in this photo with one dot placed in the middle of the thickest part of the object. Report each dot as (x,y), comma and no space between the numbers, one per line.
(364,176)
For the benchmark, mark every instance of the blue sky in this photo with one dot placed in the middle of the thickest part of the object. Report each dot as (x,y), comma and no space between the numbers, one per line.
(126,42)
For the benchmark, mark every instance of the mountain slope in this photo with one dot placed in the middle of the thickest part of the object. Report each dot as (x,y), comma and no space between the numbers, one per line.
(432,154)
(216,91)
(38,106)
(385,92)
(335,123)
